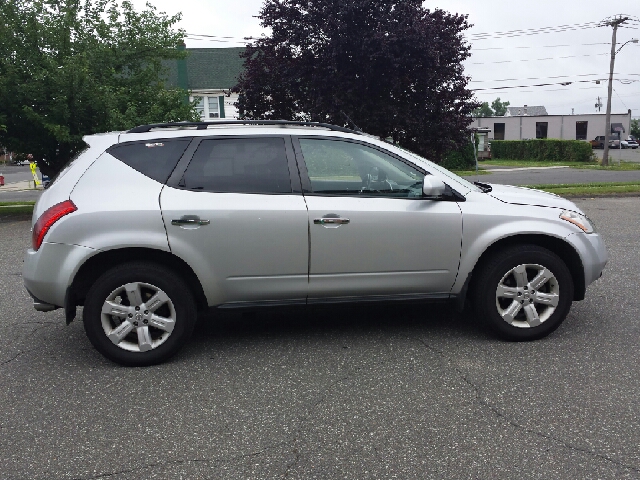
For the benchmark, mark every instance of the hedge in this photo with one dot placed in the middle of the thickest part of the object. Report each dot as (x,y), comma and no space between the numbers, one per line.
(542,149)
(460,159)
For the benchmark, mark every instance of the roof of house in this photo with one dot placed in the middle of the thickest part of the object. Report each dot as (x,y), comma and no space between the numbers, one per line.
(532,111)
(209,68)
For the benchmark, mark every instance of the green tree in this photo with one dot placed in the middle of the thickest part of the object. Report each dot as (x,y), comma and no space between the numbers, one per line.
(499,108)
(69,68)
(483,110)
(635,128)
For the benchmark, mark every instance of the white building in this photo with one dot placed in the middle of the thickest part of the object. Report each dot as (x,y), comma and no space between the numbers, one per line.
(565,127)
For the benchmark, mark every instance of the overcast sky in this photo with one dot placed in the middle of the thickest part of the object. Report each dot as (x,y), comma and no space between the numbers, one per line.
(579,55)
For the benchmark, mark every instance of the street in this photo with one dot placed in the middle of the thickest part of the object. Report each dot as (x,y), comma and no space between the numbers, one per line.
(16,173)
(413,391)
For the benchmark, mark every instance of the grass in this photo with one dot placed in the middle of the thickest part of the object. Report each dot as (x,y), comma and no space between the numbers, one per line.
(16,208)
(595,165)
(499,162)
(613,165)
(24,202)
(469,173)
(589,189)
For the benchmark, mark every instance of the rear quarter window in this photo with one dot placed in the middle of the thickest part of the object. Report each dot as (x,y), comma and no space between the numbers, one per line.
(154,158)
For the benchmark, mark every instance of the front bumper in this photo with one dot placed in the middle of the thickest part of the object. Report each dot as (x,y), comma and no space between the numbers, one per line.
(48,272)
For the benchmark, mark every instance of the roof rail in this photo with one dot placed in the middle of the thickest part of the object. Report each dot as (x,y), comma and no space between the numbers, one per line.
(204,125)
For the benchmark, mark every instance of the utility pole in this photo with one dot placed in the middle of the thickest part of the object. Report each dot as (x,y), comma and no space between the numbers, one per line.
(599,104)
(607,127)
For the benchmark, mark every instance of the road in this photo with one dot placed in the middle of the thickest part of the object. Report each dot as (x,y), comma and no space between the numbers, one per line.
(508,176)
(15,173)
(358,392)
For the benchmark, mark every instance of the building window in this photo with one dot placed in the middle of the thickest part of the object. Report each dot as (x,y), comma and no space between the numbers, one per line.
(200,107)
(581,130)
(498,131)
(541,129)
(210,107)
(214,107)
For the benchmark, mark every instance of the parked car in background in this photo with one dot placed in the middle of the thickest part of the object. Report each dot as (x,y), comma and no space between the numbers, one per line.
(629,143)
(597,142)
(147,227)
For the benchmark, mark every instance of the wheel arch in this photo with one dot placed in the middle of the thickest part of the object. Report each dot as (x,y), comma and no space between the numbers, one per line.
(96,265)
(560,247)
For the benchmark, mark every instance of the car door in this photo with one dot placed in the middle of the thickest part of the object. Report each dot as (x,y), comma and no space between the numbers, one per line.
(371,231)
(233,214)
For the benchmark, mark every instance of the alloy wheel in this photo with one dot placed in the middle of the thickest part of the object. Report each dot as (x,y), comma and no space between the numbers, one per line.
(527,295)
(138,317)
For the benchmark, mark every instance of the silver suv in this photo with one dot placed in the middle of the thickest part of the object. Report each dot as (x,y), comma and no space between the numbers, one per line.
(148,227)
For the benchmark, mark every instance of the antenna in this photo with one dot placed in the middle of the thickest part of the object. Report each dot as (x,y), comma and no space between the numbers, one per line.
(355,127)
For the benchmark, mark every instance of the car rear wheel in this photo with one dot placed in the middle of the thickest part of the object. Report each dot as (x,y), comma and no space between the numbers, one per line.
(139,314)
(524,292)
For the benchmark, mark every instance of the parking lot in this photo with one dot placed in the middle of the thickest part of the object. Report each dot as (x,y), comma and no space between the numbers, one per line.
(412,391)
(617,154)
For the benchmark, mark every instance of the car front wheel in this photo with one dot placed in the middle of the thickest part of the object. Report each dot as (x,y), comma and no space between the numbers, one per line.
(524,292)
(139,314)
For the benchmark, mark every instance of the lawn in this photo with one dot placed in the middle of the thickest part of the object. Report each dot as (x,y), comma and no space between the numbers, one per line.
(596,165)
(16,208)
(589,189)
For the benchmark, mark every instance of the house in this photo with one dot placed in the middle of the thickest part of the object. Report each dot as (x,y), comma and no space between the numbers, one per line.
(210,74)
(565,127)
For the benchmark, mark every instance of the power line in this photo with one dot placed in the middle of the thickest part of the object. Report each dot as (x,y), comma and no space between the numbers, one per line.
(540,46)
(540,59)
(542,78)
(533,31)
(538,85)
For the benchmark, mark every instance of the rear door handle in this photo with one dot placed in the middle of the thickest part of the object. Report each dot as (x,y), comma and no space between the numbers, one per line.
(331,221)
(190,220)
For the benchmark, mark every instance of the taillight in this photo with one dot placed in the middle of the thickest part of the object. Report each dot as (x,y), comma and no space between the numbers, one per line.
(48,218)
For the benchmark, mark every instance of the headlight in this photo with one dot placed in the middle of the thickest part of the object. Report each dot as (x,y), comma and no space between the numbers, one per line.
(580,221)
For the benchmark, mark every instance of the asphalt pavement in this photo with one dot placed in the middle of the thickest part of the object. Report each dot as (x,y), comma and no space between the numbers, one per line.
(352,392)
(537,176)
(617,154)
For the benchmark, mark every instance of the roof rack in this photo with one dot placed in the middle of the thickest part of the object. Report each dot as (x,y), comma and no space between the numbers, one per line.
(204,125)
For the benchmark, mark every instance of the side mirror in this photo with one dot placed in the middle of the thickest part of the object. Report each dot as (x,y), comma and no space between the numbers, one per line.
(432,186)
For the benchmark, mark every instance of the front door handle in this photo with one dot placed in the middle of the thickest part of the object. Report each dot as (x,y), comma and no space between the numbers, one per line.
(189,220)
(331,221)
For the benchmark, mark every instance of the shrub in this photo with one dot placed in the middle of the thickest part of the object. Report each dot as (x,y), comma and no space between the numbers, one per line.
(460,159)
(542,150)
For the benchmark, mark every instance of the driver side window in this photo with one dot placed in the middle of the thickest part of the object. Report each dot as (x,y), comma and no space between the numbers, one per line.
(338,167)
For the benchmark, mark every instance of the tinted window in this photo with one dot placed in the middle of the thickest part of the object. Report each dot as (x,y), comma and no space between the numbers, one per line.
(239,165)
(154,158)
(346,168)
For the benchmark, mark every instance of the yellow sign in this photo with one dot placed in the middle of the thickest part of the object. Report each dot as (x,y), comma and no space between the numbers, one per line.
(33,167)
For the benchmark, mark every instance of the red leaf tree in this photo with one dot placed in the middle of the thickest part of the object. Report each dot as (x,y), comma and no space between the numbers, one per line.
(393,67)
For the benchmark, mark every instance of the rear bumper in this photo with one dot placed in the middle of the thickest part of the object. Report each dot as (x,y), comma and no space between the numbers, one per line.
(48,272)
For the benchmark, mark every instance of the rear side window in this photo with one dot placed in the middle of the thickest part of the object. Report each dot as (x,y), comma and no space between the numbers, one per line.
(239,165)
(154,158)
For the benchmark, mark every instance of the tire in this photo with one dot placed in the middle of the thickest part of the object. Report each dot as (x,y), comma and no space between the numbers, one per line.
(139,314)
(503,298)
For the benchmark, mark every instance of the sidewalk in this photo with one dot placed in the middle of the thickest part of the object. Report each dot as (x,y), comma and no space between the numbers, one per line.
(20,186)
